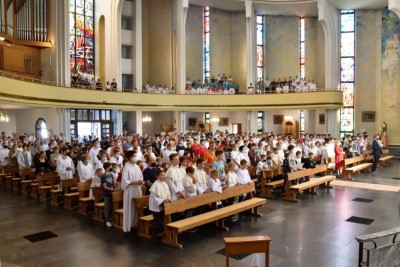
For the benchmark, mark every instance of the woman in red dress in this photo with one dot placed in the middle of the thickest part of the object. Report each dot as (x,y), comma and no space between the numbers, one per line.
(339,158)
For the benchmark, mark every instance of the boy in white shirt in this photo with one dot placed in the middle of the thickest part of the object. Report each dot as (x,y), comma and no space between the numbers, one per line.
(214,184)
(159,194)
(243,175)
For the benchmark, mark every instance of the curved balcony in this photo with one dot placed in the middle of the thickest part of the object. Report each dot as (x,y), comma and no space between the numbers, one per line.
(27,91)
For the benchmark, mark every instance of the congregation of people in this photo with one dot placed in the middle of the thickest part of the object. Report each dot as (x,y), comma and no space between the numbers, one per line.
(175,166)
(214,85)
(286,85)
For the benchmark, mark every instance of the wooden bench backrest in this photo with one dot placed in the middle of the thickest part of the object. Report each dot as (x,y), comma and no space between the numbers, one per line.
(118,199)
(67,184)
(353,160)
(142,203)
(97,194)
(28,173)
(207,198)
(330,160)
(12,170)
(306,172)
(367,152)
(45,178)
(385,151)
(83,188)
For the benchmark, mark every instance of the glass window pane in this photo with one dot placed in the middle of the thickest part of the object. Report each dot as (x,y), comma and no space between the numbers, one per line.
(302,52)
(302,30)
(346,123)
(347,70)
(89,8)
(72,114)
(347,22)
(72,6)
(302,71)
(348,94)
(85,115)
(260,56)
(80,6)
(259,19)
(96,115)
(79,114)
(347,44)
(259,34)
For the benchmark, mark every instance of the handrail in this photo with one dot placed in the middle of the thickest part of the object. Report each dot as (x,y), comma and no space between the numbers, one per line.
(82,87)
(369,237)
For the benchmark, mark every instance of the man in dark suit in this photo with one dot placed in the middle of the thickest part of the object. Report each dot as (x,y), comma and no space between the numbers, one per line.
(376,151)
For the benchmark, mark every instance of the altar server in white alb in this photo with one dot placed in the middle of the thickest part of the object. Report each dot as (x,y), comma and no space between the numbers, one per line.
(131,183)
(85,169)
(174,178)
(159,194)
(65,165)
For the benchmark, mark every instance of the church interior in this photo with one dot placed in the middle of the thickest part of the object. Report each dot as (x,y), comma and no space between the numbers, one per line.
(227,71)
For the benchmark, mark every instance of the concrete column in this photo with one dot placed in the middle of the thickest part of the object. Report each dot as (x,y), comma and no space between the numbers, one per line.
(251,121)
(139,122)
(118,122)
(61,44)
(251,55)
(178,121)
(138,47)
(328,15)
(182,8)
(332,122)
(394,5)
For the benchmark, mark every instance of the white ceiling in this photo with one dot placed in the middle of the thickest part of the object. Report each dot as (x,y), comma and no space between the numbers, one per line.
(307,8)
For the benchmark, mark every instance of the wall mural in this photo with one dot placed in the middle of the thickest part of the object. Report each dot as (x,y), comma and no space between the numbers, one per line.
(391,74)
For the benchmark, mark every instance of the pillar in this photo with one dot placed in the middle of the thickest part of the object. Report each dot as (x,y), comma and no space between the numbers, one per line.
(251,44)
(182,8)
(179,121)
(139,122)
(328,15)
(138,47)
(61,42)
(332,122)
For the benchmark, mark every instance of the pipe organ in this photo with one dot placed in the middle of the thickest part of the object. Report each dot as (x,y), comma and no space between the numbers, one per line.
(24,20)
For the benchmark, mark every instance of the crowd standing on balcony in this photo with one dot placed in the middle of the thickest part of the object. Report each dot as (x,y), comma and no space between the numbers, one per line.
(286,85)
(219,85)
(191,163)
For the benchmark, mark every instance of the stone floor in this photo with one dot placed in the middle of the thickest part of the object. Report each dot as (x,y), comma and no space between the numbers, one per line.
(312,232)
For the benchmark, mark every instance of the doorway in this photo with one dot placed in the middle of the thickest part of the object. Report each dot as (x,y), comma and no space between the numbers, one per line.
(236,128)
(92,129)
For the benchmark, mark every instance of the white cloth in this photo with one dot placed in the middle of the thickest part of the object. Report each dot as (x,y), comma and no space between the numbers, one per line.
(243,176)
(85,172)
(130,173)
(159,192)
(214,185)
(190,187)
(201,178)
(3,155)
(174,180)
(232,179)
(93,153)
(62,164)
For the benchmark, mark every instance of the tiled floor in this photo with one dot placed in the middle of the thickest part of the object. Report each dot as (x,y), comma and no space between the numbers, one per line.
(312,232)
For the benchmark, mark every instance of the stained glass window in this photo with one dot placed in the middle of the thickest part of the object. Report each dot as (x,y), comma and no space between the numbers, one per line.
(302,120)
(206,42)
(81,31)
(347,70)
(260,47)
(302,47)
(260,121)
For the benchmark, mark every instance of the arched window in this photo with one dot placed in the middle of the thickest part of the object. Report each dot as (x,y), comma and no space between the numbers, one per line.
(41,130)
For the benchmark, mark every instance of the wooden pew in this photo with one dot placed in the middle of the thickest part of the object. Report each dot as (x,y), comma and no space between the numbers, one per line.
(84,199)
(385,156)
(267,186)
(11,172)
(291,191)
(28,177)
(145,221)
(181,205)
(368,156)
(46,182)
(331,165)
(69,195)
(357,166)
(98,204)
(173,229)
(118,202)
